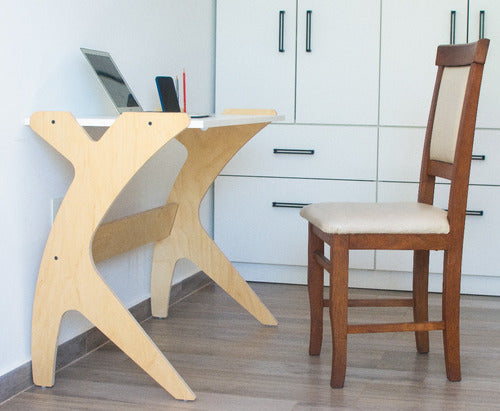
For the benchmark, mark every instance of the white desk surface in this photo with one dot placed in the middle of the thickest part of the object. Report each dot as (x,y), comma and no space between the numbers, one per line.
(218,120)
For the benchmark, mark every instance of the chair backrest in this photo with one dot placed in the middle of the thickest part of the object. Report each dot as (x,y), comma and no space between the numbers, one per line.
(451,125)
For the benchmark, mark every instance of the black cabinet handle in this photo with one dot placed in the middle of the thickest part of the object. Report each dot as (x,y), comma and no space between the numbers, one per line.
(281,204)
(478,157)
(481,24)
(281,32)
(308,31)
(293,151)
(476,213)
(453,19)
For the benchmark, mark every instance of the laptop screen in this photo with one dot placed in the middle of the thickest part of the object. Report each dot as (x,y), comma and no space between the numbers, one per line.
(112,80)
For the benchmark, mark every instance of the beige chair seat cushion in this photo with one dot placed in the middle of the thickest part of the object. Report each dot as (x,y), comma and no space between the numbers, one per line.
(377,218)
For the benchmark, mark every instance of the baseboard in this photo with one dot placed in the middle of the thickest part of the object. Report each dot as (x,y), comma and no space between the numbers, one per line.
(370,279)
(20,379)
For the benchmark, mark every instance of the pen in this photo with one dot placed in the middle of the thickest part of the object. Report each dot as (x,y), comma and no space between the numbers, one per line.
(184,87)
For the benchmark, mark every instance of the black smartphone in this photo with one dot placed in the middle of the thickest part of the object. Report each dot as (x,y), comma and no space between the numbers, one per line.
(168,95)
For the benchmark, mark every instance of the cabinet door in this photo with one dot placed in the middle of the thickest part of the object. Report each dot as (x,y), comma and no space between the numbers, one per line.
(484,20)
(411,32)
(337,61)
(251,71)
(255,220)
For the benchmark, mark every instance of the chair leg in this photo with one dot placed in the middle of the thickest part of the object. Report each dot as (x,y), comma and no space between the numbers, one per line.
(451,313)
(420,297)
(315,286)
(339,257)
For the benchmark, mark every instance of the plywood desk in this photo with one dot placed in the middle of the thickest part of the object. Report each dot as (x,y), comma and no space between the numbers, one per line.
(68,278)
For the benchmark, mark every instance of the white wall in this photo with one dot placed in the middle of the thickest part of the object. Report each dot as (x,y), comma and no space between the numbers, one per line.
(42,69)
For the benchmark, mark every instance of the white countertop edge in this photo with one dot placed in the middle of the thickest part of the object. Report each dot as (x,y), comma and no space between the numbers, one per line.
(219,120)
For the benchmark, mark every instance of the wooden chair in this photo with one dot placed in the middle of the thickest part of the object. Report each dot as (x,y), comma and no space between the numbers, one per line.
(416,226)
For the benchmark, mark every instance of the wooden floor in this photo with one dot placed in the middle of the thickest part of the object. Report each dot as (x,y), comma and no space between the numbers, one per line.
(234,363)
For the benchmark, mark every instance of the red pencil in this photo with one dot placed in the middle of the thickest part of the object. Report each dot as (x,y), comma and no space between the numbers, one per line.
(184,87)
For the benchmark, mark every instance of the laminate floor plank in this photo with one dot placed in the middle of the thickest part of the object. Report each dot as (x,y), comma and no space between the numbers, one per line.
(233,363)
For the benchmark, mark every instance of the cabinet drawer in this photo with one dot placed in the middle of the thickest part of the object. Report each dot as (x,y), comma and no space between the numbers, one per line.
(310,152)
(248,228)
(480,255)
(485,168)
(400,155)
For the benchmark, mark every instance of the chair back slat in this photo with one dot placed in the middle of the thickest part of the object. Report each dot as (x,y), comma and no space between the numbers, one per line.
(462,54)
(441,169)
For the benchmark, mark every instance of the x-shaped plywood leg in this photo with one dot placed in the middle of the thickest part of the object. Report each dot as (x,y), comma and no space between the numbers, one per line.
(68,278)
(208,152)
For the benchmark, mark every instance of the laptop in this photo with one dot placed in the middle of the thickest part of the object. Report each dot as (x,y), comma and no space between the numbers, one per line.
(118,90)
(112,80)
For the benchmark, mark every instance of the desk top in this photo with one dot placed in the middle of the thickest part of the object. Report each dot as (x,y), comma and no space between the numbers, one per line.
(218,120)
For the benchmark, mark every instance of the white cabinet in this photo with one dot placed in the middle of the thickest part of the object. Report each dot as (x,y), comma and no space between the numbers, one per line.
(355,80)
(410,32)
(317,63)
(335,74)
(251,71)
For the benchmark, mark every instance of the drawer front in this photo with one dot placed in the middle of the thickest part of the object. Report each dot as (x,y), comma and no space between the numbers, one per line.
(480,255)
(308,151)
(482,238)
(400,155)
(248,228)
(485,168)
